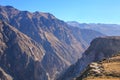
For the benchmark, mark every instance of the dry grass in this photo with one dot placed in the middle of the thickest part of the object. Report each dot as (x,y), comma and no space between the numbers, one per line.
(113,67)
(102,79)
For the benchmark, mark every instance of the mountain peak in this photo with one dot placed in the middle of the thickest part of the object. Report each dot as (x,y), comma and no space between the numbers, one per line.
(9,6)
(46,15)
(13,11)
(6,6)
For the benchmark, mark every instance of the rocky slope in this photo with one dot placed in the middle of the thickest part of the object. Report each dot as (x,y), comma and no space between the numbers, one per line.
(56,48)
(107,69)
(20,55)
(100,48)
(37,46)
(4,75)
(86,34)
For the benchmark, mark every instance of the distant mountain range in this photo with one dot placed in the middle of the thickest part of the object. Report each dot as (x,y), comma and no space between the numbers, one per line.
(38,46)
(107,29)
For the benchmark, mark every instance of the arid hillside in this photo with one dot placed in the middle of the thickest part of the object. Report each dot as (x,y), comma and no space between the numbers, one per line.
(107,69)
(101,48)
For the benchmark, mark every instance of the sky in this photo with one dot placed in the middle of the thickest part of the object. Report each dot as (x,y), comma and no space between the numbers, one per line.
(83,11)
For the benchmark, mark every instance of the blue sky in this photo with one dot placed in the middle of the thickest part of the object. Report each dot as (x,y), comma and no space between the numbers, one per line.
(83,11)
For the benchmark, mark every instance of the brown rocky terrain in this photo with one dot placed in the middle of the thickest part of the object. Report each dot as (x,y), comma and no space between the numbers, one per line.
(39,42)
(4,75)
(107,69)
(100,48)
(37,46)
(19,54)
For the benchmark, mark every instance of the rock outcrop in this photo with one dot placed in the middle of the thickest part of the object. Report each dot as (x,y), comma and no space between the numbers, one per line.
(4,75)
(104,69)
(100,48)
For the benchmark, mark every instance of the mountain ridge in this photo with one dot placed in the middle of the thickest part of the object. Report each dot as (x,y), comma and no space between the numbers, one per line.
(107,29)
(100,48)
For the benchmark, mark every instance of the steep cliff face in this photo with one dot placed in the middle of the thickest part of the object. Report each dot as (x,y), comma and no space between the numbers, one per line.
(45,29)
(88,35)
(100,48)
(59,48)
(19,54)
